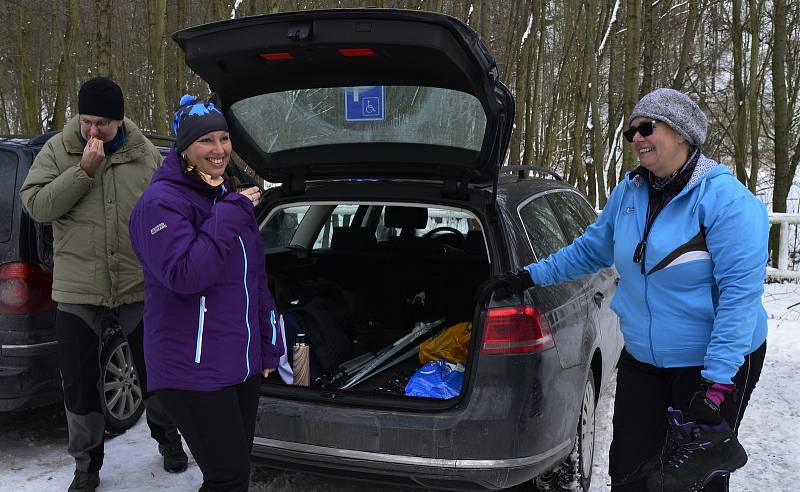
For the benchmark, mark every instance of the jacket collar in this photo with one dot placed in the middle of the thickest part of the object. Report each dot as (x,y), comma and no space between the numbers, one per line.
(705,169)
(171,170)
(134,146)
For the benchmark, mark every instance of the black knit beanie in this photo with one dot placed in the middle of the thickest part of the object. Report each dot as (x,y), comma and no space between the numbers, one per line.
(193,119)
(101,97)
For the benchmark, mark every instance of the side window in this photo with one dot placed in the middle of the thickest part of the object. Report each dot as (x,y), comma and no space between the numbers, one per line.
(542,228)
(8,180)
(341,216)
(586,211)
(280,229)
(568,211)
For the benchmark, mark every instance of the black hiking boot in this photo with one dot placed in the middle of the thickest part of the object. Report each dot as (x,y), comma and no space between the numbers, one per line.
(679,433)
(175,459)
(688,465)
(84,481)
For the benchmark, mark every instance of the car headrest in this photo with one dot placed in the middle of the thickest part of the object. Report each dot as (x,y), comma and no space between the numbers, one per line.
(474,243)
(353,238)
(405,217)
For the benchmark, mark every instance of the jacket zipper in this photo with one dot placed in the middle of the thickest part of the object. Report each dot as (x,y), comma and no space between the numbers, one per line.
(200,322)
(247,310)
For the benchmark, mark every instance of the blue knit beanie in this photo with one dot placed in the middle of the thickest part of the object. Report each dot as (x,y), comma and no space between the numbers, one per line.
(193,119)
(675,109)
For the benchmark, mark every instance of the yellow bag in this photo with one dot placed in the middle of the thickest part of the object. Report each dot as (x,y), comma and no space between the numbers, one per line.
(451,345)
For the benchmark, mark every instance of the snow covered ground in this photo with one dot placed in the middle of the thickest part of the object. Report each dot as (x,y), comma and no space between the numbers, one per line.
(33,454)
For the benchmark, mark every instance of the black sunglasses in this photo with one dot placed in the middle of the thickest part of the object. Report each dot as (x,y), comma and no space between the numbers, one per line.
(644,129)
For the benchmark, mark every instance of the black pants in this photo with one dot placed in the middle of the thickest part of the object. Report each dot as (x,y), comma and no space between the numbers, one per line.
(640,424)
(218,427)
(79,363)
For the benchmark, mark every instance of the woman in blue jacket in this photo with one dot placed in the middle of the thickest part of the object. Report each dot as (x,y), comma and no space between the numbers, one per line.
(211,328)
(690,245)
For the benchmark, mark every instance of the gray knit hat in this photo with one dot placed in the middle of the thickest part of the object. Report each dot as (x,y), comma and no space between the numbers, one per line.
(675,109)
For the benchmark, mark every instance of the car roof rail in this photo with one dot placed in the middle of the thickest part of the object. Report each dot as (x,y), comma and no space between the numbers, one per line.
(158,136)
(522,171)
(44,137)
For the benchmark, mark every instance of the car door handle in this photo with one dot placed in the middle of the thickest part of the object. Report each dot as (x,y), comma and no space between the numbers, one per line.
(598,298)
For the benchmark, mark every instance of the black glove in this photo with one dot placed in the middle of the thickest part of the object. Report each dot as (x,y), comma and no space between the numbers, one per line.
(702,410)
(506,283)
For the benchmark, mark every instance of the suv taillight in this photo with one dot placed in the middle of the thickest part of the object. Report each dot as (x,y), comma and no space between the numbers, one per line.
(24,288)
(516,330)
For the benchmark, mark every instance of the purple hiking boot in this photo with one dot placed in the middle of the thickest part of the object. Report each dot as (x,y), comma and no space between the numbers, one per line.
(693,455)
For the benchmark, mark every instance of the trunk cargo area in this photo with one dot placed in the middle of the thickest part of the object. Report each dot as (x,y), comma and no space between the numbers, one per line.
(364,311)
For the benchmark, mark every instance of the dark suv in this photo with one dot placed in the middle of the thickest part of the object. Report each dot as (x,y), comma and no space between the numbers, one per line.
(387,131)
(29,374)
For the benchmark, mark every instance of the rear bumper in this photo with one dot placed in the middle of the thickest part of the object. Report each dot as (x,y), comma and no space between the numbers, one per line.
(29,375)
(452,474)
(516,422)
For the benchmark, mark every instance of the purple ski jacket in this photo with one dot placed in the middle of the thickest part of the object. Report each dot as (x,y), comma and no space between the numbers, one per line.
(209,318)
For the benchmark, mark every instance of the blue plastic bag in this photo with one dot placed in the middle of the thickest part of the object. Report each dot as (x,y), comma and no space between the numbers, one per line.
(436,379)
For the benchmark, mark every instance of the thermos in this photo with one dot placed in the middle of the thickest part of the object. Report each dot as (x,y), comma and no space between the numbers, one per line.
(300,360)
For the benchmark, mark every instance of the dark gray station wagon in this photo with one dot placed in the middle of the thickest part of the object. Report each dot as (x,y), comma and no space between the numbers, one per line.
(387,131)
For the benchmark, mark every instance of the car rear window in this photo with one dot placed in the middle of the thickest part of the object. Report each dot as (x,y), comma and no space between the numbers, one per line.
(8,183)
(313,226)
(345,115)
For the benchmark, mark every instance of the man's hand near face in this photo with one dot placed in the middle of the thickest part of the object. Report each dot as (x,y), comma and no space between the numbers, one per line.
(93,156)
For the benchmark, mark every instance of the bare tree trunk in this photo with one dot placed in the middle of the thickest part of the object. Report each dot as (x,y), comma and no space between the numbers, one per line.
(615,85)
(630,81)
(514,38)
(538,93)
(584,173)
(692,22)
(740,115)
(782,179)
(648,54)
(753,93)
(222,9)
(598,149)
(486,21)
(63,87)
(104,64)
(158,12)
(521,62)
(534,84)
(28,103)
(5,128)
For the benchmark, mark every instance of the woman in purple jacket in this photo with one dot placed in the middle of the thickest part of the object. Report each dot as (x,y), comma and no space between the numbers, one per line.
(211,328)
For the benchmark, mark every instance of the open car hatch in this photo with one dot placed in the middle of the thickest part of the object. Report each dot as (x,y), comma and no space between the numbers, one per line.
(356,94)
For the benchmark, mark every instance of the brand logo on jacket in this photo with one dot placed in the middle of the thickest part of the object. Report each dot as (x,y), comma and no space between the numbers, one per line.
(158,228)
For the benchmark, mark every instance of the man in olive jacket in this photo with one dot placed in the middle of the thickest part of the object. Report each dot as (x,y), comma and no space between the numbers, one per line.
(85,181)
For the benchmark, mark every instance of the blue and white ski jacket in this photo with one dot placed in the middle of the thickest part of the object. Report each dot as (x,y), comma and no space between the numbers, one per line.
(698,302)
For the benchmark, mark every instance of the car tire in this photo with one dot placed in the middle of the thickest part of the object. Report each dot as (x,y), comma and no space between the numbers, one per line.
(575,472)
(121,394)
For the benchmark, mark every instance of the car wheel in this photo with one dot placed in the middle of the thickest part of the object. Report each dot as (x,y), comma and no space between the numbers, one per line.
(575,472)
(122,395)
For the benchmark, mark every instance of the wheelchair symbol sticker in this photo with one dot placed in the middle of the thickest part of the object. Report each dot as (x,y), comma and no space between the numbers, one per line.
(364,103)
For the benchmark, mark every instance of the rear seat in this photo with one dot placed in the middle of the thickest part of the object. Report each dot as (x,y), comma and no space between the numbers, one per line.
(408,220)
(349,238)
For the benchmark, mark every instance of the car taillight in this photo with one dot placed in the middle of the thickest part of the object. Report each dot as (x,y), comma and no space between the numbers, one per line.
(277,56)
(357,52)
(516,330)
(24,288)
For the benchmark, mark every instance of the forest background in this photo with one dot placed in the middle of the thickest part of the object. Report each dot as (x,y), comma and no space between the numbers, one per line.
(576,68)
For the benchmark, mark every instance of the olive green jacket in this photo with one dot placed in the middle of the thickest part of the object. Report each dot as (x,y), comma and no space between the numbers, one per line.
(92,255)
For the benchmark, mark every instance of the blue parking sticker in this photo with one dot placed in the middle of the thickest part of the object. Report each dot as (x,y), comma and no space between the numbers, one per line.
(364,103)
